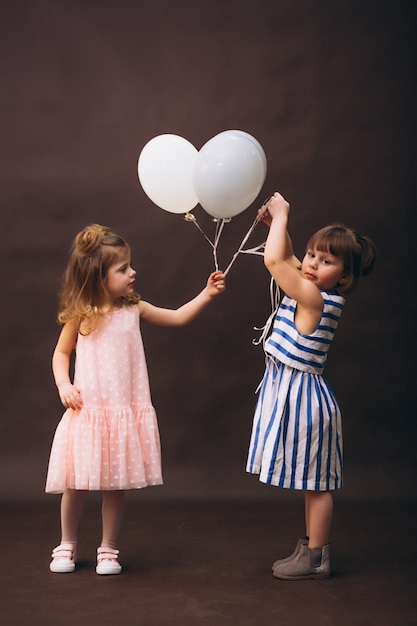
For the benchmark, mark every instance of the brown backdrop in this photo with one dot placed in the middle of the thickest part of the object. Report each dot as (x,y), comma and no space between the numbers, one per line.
(328,88)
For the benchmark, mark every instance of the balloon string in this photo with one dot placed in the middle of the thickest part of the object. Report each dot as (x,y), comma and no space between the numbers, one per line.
(259,250)
(219,229)
(274,295)
(220,222)
(189,217)
(242,243)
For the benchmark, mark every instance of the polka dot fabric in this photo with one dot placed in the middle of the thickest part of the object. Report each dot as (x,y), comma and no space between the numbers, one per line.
(112,443)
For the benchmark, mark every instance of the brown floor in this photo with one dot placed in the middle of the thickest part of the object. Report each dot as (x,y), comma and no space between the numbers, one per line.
(207,562)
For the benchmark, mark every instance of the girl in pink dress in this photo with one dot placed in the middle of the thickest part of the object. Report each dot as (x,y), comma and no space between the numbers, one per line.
(108,438)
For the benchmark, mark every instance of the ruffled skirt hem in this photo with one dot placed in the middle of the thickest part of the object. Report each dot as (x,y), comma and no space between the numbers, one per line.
(105,450)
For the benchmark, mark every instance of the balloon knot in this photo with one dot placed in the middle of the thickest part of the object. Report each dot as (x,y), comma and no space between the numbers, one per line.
(225,220)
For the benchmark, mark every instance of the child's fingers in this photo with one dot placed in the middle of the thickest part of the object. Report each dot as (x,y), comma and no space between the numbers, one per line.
(217,280)
(71,398)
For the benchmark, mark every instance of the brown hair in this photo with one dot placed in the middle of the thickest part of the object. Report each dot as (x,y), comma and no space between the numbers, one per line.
(84,293)
(357,252)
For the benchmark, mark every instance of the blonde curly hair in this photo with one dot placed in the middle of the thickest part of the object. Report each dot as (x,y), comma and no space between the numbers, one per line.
(84,294)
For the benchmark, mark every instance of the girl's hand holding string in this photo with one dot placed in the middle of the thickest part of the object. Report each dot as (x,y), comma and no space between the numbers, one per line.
(215,284)
(274,206)
(263,214)
(70,396)
(277,205)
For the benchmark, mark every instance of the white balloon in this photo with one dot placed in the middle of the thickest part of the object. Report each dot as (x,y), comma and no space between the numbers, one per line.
(165,170)
(229,172)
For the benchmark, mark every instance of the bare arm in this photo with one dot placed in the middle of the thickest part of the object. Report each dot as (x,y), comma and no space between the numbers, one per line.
(266,217)
(188,311)
(70,396)
(282,264)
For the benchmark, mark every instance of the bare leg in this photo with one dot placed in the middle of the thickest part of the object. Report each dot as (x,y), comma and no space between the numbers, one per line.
(72,504)
(319,515)
(307,513)
(312,560)
(112,516)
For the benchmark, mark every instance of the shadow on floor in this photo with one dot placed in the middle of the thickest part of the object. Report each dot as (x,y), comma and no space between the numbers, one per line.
(207,562)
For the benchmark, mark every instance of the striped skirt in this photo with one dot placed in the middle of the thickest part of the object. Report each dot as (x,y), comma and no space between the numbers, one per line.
(296,440)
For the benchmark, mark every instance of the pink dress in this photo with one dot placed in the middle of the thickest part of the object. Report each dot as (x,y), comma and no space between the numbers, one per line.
(112,443)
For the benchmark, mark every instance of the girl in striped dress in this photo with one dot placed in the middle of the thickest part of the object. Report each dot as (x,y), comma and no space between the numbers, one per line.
(296,440)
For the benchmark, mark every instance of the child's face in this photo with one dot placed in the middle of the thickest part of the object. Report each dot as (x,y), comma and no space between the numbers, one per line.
(322,268)
(120,278)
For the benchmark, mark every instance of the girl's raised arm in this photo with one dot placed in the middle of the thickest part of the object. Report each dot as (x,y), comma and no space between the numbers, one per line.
(265,217)
(279,258)
(187,312)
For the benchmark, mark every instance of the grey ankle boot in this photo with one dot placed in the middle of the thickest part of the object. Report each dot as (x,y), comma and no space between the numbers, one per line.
(308,563)
(300,542)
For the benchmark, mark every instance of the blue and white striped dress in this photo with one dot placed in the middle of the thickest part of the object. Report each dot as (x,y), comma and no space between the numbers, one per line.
(296,440)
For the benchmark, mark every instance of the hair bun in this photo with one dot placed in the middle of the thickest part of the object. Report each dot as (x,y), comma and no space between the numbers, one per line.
(89,239)
(368,254)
